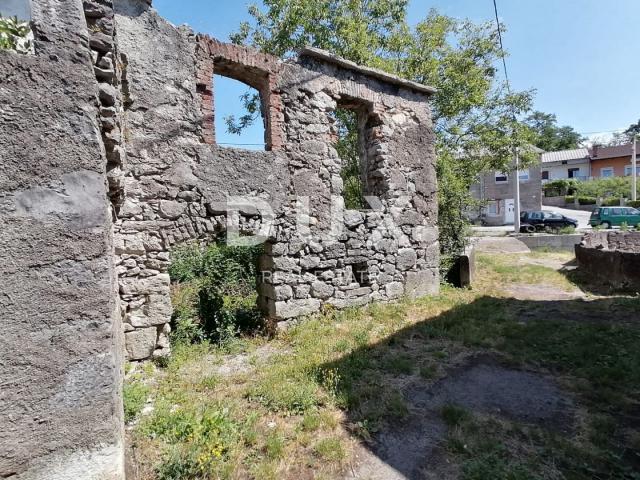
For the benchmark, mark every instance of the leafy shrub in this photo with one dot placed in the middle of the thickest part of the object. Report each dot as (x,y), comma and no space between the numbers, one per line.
(582,200)
(634,203)
(557,188)
(605,187)
(611,202)
(14,35)
(214,292)
(587,200)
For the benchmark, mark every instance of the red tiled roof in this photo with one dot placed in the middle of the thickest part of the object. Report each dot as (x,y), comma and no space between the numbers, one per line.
(600,152)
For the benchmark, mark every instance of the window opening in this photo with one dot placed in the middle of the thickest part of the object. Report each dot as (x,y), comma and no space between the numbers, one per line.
(238,114)
(350,147)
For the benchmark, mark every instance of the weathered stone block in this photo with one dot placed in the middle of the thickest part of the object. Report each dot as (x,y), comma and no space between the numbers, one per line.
(141,343)
(394,289)
(407,258)
(422,283)
(171,209)
(321,290)
(296,308)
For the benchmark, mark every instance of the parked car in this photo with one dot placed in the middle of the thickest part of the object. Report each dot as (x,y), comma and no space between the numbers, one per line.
(535,221)
(608,217)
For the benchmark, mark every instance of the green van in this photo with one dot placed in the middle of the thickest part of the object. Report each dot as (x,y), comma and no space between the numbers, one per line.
(609,217)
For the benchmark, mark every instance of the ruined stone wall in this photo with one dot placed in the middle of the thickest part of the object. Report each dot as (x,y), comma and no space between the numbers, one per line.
(109,162)
(613,257)
(179,186)
(60,348)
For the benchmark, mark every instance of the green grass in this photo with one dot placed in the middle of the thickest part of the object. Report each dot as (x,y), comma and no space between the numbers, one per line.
(134,397)
(330,449)
(342,375)
(401,364)
(453,415)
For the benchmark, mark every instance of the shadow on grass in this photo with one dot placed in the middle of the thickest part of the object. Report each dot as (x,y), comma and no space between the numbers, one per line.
(595,285)
(500,388)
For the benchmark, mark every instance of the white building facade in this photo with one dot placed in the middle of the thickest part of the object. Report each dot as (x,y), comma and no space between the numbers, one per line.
(566,164)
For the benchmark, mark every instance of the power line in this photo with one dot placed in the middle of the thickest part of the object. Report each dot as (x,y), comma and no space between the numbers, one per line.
(504,62)
(602,131)
(506,73)
(516,205)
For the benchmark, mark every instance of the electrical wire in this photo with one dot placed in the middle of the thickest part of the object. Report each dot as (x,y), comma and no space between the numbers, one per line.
(506,73)
(504,62)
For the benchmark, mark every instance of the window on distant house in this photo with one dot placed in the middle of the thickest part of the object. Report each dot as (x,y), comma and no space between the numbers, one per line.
(628,170)
(545,175)
(492,208)
(524,175)
(606,172)
(573,172)
(501,177)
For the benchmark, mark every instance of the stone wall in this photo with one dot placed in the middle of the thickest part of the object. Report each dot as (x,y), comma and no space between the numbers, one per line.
(613,257)
(109,162)
(179,186)
(61,343)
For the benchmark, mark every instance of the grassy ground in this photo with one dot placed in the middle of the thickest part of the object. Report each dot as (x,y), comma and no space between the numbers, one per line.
(304,404)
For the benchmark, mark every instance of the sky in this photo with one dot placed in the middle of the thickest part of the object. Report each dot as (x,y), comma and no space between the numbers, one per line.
(17,8)
(581,56)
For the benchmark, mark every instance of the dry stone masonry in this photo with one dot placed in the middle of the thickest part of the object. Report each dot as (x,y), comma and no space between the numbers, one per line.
(178,182)
(109,162)
(613,257)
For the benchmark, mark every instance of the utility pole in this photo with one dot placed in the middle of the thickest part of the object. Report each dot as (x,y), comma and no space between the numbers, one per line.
(634,173)
(516,206)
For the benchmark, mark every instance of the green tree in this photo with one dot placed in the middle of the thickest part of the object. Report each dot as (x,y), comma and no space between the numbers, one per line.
(549,136)
(14,35)
(634,129)
(475,117)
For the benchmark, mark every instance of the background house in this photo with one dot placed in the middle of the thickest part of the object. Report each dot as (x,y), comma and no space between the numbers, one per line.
(574,163)
(497,192)
(612,161)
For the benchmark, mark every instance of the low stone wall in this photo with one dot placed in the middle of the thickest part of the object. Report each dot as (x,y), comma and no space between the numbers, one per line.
(562,242)
(554,201)
(612,257)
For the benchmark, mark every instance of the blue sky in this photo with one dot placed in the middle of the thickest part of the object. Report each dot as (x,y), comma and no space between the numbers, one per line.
(580,55)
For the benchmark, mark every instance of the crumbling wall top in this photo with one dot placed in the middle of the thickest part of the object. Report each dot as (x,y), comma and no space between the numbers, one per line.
(328,57)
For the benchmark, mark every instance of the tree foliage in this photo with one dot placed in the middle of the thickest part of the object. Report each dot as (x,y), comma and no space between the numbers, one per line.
(549,136)
(14,35)
(475,116)
(634,129)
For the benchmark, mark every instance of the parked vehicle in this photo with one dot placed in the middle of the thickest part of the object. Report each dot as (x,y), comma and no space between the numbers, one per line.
(536,221)
(608,217)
